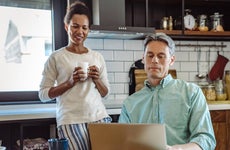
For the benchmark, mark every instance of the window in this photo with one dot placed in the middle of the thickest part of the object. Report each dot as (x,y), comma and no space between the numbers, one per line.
(26,41)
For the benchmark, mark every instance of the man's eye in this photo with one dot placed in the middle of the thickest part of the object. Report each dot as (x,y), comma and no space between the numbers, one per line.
(161,56)
(150,55)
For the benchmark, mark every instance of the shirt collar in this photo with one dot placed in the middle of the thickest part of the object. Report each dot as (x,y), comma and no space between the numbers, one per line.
(163,82)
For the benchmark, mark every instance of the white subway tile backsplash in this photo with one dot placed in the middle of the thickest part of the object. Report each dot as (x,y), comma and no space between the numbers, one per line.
(112,44)
(117,88)
(213,56)
(133,45)
(111,77)
(94,44)
(188,66)
(123,56)
(127,87)
(183,76)
(121,97)
(107,54)
(115,66)
(182,56)
(121,77)
(176,66)
(128,65)
(228,46)
(138,55)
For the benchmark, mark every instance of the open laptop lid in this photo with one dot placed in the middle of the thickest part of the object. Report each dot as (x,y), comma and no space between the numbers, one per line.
(118,136)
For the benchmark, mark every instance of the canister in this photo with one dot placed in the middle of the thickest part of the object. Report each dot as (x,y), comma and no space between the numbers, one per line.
(217,22)
(203,23)
(220,92)
(210,93)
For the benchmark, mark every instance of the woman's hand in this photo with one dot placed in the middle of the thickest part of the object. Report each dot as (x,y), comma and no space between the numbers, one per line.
(77,76)
(95,75)
(93,72)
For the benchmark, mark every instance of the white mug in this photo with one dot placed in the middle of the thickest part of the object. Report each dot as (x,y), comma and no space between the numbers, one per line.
(85,67)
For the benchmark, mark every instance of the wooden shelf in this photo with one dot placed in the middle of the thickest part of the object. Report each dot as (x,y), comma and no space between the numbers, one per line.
(197,35)
(207,33)
(172,32)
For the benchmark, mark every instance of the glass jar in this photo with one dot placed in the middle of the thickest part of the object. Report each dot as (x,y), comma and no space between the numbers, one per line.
(227,83)
(170,23)
(210,93)
(217,22)
(164,23)
(220,92)
(203,23)
(227,76)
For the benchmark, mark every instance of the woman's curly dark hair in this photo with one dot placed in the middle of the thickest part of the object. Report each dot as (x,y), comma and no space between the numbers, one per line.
(76,8)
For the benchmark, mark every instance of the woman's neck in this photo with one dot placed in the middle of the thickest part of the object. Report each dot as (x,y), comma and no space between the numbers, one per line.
(78,49)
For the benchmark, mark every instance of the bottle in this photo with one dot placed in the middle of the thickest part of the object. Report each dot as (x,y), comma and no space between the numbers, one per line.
(164,23)
(170,24)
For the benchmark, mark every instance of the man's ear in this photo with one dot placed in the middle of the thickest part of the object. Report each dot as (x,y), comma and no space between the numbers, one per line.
(172,60)
(143,60)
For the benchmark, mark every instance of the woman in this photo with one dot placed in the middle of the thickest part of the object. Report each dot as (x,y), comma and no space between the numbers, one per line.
(79,101)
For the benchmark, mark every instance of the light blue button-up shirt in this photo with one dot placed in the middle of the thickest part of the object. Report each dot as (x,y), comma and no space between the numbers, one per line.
(180,105)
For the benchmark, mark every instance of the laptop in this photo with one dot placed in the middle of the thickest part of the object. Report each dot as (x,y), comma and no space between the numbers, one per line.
(119,136)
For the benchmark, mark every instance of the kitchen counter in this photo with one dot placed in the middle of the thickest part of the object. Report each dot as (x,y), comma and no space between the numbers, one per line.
(44,111)
(219,105)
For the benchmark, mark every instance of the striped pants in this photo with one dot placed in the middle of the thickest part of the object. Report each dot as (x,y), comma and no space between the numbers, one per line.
(78,135)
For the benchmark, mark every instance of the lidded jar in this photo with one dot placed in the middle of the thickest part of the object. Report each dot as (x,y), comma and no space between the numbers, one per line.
(203,23)
(210,93)
(217,22)
(220,92)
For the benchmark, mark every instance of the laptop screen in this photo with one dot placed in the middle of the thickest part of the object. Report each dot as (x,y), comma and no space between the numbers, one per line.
(119,136)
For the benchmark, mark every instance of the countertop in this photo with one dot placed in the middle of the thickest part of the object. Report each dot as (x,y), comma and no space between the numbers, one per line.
(43,111)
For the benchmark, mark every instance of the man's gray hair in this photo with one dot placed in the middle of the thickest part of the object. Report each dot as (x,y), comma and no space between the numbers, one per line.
(161,37)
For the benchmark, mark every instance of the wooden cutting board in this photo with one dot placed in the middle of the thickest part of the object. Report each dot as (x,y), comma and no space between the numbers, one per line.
(140,77)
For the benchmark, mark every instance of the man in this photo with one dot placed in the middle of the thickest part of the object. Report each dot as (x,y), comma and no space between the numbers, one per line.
(180,105)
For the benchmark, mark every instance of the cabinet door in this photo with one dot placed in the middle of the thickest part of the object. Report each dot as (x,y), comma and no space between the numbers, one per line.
(221,125)
(135,11)
(158,9)
(149,13)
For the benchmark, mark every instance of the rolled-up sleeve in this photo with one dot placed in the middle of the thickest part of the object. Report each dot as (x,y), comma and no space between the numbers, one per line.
(200,124)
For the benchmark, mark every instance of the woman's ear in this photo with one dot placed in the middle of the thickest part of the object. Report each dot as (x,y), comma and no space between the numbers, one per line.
(66,27)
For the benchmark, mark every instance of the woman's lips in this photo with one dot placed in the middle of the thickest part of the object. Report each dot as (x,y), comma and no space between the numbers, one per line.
(78,38)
